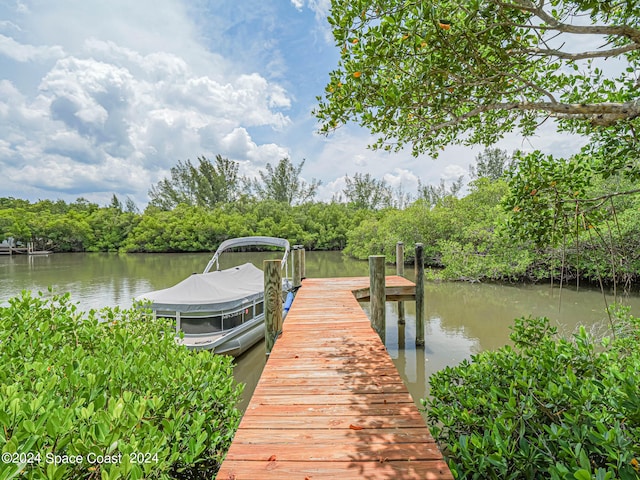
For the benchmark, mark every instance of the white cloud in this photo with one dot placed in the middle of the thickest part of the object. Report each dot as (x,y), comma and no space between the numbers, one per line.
(298,4)
(22,8)
(112,112)
(321,8)
(5,148)
(453,172)
(402,178)
(332,189)
(104,97)
(8,25)
(27,53)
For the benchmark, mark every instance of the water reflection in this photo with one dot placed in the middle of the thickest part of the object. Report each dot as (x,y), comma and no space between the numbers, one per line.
(247,370)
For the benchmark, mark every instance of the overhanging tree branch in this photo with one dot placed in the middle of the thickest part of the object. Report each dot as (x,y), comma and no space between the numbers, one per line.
(614,52)
(490,67)
(551,22)
(601,114)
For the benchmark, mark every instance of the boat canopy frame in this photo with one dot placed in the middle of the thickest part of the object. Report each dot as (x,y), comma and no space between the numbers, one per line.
(249,241)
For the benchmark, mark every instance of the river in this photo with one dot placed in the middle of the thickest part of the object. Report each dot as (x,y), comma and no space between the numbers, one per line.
(460,319)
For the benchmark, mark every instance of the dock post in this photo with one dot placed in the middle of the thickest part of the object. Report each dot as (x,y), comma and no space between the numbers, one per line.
(400,273)
(272,302)
(419,294)
(377,294)
(400,259)
(303,261)
(297,266)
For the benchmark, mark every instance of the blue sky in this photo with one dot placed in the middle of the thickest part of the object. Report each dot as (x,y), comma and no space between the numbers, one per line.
(98,98)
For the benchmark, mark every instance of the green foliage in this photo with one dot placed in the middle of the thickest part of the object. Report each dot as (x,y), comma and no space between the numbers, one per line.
(546,408)
(110,227)
(48,225)
(366,192)
(546,195)
(182,229)
(463,235)
(69,233)
(435,194)
(205,185)
(483,236)
(590,220)
(492,163)
(521,230)
(431,73)
(502,261)
(111,383)
(314,225)
(283,184)
(325,226)
(365,240)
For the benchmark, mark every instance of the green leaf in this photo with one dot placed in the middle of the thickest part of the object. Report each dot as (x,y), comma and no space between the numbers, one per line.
(582,474)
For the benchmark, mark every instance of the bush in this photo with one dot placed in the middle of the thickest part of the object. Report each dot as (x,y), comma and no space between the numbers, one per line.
(111,389)
(546,408)
(501,262)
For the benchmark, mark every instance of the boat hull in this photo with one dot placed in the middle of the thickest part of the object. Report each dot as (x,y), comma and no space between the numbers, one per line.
(232,342)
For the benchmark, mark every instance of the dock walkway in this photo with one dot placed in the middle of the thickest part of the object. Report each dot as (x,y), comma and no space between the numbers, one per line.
(330,403)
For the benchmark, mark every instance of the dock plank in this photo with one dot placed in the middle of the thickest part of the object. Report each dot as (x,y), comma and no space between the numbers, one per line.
(353,470)
(303,436)
(330,402)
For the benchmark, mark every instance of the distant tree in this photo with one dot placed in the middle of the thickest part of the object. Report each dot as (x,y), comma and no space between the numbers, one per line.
(401,198)
(130,206)
(60,207)
(493,164)
(10,202)
(206,185)
(217,184)
(67,233)
(364,191)
(180,188)
(115,204)
(434,194)
(283,183)
(80,205)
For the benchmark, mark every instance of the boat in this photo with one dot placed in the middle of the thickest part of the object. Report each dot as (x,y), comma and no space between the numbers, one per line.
(221,310)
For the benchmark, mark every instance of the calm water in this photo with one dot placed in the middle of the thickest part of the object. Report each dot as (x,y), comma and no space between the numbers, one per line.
(461,319)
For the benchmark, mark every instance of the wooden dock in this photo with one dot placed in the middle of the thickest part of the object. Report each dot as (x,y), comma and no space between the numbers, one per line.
(8,250)
(330,403)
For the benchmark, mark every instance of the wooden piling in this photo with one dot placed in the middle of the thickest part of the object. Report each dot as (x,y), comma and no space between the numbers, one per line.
(272,302)
(419,265)
(400,273)
(297,266)
(377,290)
(400,259)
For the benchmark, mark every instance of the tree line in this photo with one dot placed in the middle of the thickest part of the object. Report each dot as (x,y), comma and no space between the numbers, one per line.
(212,184)
(198,206)
(470,237)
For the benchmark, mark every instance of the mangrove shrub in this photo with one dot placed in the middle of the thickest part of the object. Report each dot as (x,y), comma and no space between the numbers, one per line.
(547,407)
(107,395)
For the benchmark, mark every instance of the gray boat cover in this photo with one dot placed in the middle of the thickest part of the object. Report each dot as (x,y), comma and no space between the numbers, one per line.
(210,292)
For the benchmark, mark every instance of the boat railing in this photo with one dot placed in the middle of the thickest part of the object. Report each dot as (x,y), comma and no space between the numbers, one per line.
(249,241)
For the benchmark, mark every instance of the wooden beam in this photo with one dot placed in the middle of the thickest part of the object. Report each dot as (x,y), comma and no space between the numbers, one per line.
(272,302)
